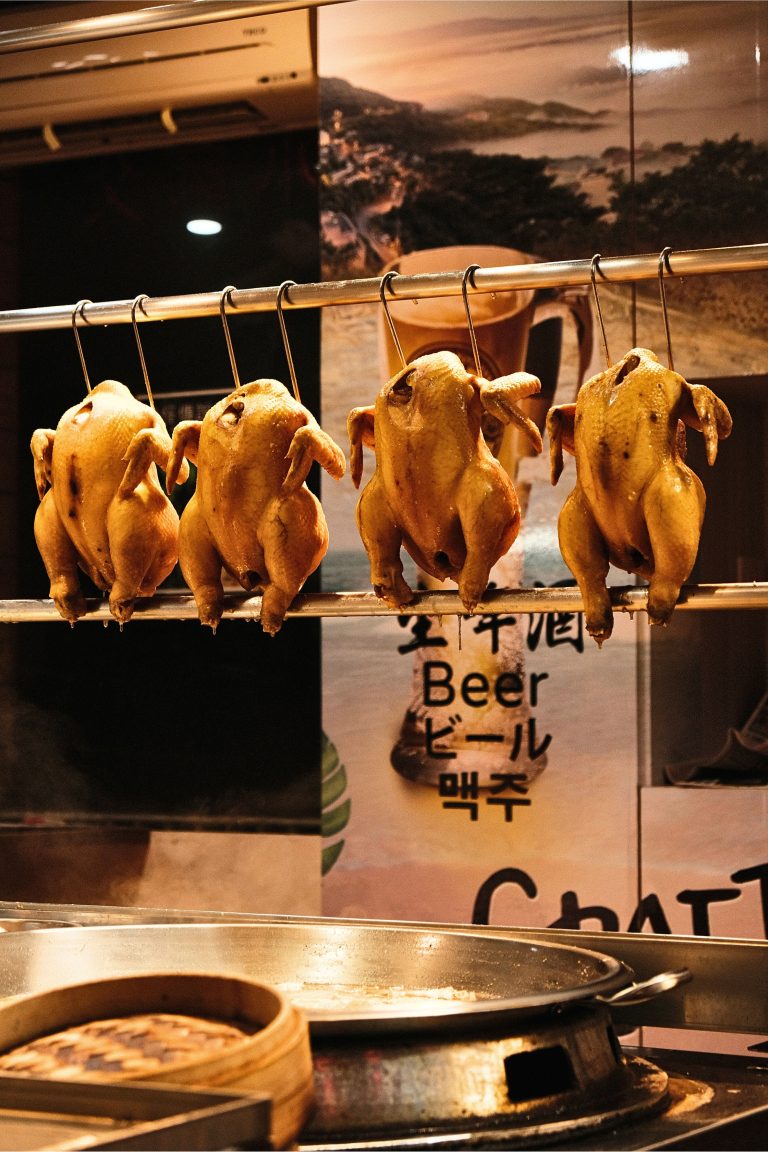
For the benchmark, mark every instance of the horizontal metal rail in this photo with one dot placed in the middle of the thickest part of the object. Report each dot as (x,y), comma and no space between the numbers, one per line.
(181,605)
(613,269)
(555,274)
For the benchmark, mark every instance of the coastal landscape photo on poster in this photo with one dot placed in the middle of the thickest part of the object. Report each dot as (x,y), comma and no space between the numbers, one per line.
(497,133)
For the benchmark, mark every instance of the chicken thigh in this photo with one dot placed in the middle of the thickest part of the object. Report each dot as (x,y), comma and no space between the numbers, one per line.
(437,490)
(102,508)
(251,513)
(636,503)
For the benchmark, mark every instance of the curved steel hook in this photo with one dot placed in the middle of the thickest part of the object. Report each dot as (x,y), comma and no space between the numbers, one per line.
(392,330)
(223,301)
(664,263)
(469,276)
(79,308)
(594,268)
(281,292)
(137,303)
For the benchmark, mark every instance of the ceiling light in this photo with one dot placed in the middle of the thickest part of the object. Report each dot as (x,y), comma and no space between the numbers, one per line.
(644,60)
(203,227)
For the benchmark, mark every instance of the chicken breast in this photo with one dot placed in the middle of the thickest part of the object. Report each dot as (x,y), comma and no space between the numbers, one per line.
(636,503)
(252,514)
(437,490)
(102,508)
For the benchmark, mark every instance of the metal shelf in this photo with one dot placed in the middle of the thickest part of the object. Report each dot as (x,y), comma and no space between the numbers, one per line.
(181,605)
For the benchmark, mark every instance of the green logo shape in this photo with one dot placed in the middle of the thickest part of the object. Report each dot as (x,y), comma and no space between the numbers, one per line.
(334,815)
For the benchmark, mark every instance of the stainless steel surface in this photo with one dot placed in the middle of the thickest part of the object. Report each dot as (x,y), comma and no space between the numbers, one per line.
(347,978)
(153,18)
(645,990)
(713,1102)
(565,1072)
(181,606)
(49,1114)
(614,269)
(25,924)
(728,991)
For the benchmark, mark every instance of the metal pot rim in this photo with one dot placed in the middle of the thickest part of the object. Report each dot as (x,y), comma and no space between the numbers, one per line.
(395,977)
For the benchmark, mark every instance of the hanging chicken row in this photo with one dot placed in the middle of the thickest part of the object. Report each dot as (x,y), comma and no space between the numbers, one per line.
(102,508)
(437,490)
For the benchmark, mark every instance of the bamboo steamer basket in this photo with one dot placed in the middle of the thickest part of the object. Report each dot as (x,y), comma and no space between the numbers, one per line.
(198,1030)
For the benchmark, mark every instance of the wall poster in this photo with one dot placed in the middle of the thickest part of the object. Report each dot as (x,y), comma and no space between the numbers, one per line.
(487,769)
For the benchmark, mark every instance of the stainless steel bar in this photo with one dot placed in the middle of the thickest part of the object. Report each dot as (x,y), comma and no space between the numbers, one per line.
(181,605)
(613,269)
(153,18)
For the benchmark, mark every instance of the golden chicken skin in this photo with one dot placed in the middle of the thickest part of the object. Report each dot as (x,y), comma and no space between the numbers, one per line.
(252,514)
(437,490)
(102,509)
(636,503)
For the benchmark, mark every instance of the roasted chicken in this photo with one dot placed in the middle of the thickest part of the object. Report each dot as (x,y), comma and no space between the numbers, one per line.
(437,490)
(252,514)
(636,503)
(102,508)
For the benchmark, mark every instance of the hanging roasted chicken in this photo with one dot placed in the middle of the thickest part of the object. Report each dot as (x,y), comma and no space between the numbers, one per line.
(437,490)
(252,514)
(102,508)
(636,503)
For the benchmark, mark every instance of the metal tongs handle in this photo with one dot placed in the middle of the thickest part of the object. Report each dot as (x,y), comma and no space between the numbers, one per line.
(647,989)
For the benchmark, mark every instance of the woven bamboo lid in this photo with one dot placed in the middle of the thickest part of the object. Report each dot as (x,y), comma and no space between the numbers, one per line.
(181,1028)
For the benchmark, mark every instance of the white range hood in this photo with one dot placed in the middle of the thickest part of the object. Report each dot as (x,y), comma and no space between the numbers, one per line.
(217,78)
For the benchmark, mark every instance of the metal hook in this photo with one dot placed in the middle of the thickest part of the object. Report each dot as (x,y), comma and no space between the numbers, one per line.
(664,263)
(137,302)
(79,308)
(224,300)
(595,267)
(469,276)
(392,331)
(282,291)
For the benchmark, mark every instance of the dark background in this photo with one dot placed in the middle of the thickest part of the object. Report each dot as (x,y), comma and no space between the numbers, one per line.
(162,723)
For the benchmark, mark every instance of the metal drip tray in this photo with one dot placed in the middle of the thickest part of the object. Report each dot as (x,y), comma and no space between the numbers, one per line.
(43,1115)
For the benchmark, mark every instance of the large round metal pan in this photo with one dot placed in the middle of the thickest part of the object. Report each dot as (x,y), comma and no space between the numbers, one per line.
(347,978)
